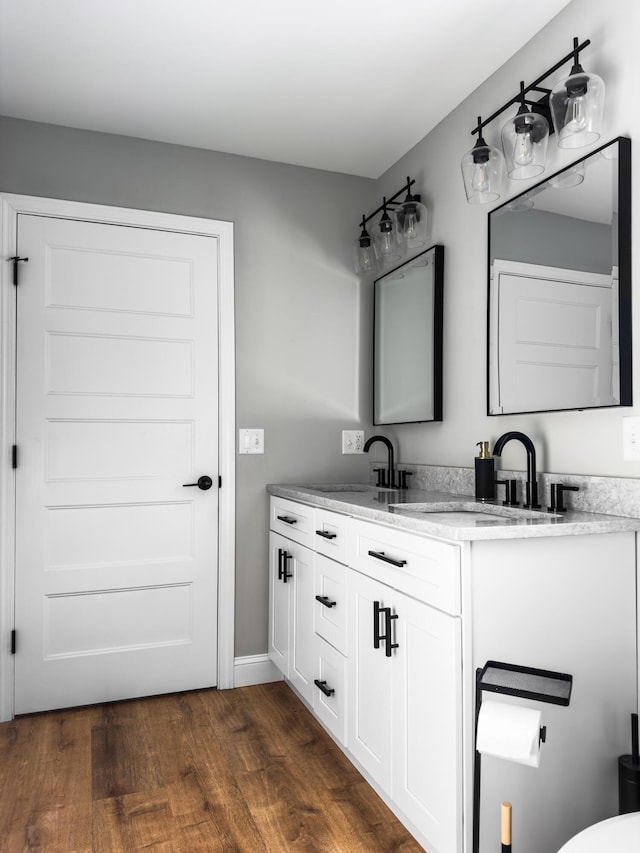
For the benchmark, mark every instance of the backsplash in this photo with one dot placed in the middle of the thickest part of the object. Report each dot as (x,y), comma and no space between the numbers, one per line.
(607,495)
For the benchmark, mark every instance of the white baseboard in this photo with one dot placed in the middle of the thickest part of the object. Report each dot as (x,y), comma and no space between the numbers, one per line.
(254,669)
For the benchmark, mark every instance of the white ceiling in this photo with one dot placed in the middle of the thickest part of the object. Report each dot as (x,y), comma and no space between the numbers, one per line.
(344,85)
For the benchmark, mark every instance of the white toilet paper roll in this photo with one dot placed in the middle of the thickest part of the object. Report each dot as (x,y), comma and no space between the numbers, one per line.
(510,732)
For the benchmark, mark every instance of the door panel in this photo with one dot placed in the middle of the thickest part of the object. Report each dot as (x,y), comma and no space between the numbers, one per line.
(116,562)
(370,722)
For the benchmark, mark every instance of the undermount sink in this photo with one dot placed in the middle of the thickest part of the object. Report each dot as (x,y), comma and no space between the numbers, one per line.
(470,511)
(349,487)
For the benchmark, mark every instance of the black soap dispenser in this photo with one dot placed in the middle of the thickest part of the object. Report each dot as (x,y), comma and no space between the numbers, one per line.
(485,473)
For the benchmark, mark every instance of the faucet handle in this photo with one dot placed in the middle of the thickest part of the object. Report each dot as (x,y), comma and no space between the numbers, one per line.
(510,492)
(402,479)
(381,481)
(557,494)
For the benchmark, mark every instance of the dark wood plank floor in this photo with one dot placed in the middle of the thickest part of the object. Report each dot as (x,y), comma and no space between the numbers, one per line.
(238,770)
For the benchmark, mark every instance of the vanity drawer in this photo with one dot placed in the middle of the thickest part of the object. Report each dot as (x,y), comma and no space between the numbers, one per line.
(331,534)
(426,569)
(330,614)
(291,519)
(331,671)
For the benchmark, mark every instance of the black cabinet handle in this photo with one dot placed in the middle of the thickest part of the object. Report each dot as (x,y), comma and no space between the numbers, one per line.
(387,636)
(203,483)
(322,685)
(286,519)
(377,636)
(326,535)
(325,601)
(380,555)
(282,565)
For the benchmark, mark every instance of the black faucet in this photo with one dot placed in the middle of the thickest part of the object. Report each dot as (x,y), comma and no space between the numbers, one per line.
(532,485)
(391,477)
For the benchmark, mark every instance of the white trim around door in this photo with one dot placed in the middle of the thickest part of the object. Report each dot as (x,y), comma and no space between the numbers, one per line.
(13,205)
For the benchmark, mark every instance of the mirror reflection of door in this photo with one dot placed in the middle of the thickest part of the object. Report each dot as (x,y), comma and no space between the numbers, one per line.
(408,341)
(555,342)
(559,331)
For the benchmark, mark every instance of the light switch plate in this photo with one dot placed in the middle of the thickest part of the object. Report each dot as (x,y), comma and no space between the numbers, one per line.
(251,441)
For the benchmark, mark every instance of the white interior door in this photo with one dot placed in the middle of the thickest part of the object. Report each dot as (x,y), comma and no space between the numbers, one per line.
(116,562)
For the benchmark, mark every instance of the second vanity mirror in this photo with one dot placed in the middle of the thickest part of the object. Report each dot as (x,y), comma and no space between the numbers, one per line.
(407,362)
(559,325)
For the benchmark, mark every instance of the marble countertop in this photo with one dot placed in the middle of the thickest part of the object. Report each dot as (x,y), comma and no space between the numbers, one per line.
(448,516)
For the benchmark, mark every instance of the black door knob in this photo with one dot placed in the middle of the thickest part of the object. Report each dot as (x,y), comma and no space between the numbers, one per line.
(203,483)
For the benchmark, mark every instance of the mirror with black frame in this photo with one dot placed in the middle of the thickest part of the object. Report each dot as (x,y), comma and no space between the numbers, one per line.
(559,307)
(407,359)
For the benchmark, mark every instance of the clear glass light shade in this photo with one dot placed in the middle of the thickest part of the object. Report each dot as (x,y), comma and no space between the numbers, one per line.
(524,141)
(577,107)
(411,221)
(482,173)
(366,260)
(386,238)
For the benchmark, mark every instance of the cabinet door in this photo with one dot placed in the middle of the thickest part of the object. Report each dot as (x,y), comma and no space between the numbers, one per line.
(369,722)
(279,598)
(302,661)
(427,684)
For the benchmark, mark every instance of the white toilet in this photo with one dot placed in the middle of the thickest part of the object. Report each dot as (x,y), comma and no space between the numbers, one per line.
(620,834)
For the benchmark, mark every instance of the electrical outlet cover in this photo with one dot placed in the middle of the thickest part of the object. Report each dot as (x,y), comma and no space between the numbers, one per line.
(352,441)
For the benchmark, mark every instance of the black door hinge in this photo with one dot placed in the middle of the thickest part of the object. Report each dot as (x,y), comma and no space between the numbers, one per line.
(219,481)
(14,456)
(13,642)
(16,260)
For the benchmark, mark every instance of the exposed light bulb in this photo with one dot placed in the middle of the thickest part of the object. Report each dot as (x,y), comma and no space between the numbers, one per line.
(387,243)
(481,177)
(410,224)
(366,258)
(575,120)
(523,148)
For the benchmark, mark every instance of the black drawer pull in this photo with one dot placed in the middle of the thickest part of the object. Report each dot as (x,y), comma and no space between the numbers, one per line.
(326,535)
(322,685)
(287,519)
(324,600)
(380,555)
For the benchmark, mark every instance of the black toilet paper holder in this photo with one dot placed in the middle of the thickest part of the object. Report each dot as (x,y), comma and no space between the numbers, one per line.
(539,685)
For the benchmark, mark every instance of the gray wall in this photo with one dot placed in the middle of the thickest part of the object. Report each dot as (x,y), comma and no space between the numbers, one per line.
(541,237)
(303,341)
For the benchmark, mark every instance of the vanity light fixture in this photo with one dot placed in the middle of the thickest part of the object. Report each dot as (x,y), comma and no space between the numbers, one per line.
(402,227)
(524,141)
(482,171)
(576,104)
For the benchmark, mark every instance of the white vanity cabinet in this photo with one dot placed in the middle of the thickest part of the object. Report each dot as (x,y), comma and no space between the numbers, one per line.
(405,676)
(394,624)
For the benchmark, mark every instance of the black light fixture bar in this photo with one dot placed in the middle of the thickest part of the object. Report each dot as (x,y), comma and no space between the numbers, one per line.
(535,86)
(391,201)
